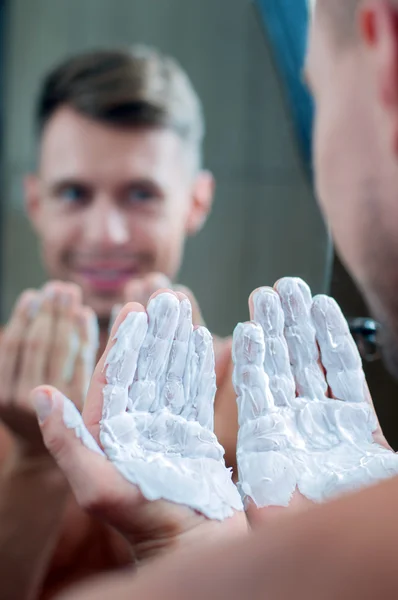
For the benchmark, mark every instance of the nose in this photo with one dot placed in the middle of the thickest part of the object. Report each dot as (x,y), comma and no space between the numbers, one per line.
(105,225)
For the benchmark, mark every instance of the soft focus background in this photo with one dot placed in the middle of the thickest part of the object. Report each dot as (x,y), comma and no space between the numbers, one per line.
(244,58)
(265,222)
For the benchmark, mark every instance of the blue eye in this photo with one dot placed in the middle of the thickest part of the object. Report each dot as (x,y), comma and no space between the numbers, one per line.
(140,195)
(74,194)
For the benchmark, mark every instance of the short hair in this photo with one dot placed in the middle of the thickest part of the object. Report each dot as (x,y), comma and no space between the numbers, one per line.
(343,14)
(132,87)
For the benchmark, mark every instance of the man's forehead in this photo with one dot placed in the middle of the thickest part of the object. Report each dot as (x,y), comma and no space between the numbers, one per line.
(83,144)
(68,128)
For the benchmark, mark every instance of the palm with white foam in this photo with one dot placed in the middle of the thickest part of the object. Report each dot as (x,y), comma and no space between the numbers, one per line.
(308,430)
(144,456)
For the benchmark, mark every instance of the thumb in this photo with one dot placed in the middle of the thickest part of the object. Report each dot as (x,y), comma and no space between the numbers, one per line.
(68,440)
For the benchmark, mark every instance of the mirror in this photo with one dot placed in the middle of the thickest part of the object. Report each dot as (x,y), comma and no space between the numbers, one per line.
(265,222)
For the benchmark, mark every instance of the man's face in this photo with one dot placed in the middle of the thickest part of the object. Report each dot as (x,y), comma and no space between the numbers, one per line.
(110,204)
(356,168)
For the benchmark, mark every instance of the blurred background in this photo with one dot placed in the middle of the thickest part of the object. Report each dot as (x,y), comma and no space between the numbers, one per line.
(265,222)
(244,59)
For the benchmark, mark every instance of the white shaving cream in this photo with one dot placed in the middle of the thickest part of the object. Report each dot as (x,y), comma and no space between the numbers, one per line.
(73,420)
(312,443)
(157,425)
(163,373)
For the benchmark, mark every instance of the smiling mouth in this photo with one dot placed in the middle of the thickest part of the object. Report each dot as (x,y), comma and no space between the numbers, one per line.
(106,278)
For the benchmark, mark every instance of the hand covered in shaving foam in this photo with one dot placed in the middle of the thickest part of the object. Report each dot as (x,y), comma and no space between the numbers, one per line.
(140,289)
(144,456)
(51,337)
(308,430)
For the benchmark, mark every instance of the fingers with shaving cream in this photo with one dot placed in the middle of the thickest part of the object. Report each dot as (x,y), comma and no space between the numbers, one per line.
(173,390)
(199,404)
(266,310)
(299,331)
(163,311)
(318,445)
(166,448)
(340,355)
(250,380)
(121,362)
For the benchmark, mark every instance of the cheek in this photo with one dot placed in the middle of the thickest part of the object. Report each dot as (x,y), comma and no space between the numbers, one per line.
(327,157)
(338,164)
(344,144)
(156,231)
(60,233)
(336,180)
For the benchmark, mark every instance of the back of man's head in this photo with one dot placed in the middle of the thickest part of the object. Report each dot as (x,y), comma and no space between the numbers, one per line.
(343,15)
(352,67)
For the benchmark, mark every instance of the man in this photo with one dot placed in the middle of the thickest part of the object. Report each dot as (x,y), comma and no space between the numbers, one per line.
(344,549)
(351,72)
(119,186)
(308,432)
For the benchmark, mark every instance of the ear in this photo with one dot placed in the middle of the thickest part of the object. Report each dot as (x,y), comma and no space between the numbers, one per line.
(31,186)
(202,200)
(378,24)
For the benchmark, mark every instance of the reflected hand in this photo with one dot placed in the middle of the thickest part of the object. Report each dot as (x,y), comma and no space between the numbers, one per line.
(308,430)
(50,338)
(141,289)
(144,456)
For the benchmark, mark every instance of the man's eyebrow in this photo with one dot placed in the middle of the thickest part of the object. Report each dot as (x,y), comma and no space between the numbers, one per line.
(60,184)
(142,181)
